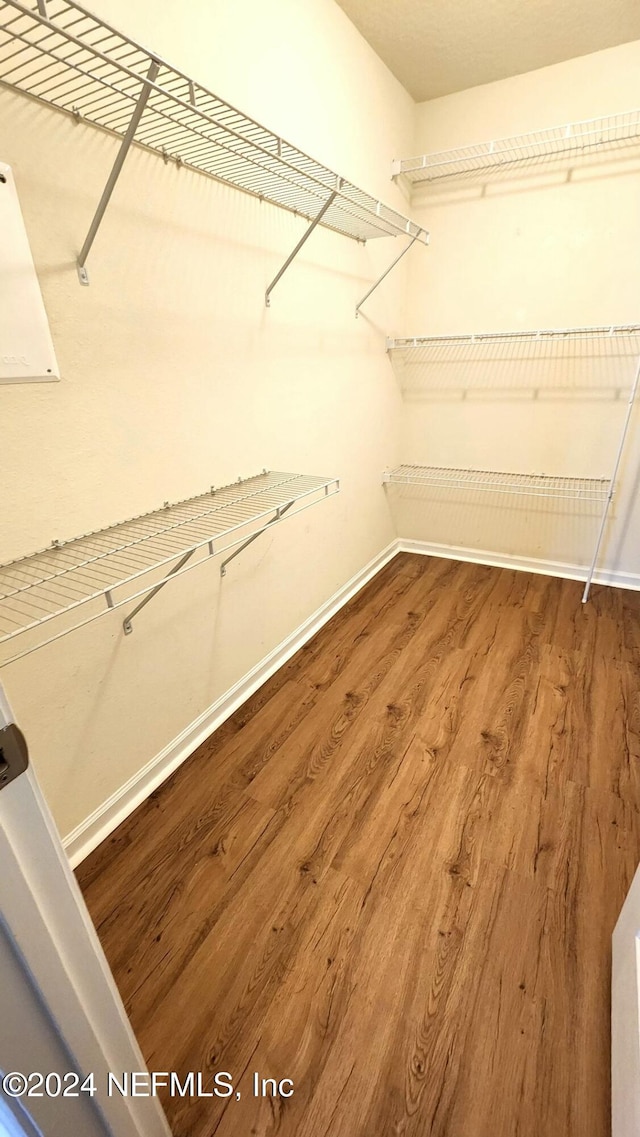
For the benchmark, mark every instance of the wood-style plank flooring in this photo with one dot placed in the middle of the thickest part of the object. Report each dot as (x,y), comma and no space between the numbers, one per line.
(393,875)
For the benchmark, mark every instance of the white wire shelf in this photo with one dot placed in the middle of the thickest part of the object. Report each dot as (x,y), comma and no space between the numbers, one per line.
(607,335)
(60,53)
(609,132)
(552,359)
(106,569)
(501,482)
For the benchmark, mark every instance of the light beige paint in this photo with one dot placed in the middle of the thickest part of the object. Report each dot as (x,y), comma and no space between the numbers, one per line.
(435,47)
(552,246)
(175,376)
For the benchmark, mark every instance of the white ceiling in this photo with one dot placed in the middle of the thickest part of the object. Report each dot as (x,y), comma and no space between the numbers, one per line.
(435,47)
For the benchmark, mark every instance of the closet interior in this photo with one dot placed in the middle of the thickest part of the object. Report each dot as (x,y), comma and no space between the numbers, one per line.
(352,799)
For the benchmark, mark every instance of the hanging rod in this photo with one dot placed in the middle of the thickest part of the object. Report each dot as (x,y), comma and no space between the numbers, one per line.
(104,568)
(58,52)
(592,134)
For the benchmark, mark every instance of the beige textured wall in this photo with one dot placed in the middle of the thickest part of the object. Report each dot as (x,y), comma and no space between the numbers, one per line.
(175,376)
(554,246)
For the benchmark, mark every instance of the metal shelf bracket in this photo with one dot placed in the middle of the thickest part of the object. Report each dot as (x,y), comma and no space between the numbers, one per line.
(138,112)
(88,577)
(385,274)
(282,509)
(127,626)
(58,52)
(305,237)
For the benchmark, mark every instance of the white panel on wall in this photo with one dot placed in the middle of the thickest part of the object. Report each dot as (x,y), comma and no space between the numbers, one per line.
(26,348)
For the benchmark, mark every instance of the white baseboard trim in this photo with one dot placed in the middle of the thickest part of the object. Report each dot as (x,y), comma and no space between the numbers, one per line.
(95,828)
(522,564)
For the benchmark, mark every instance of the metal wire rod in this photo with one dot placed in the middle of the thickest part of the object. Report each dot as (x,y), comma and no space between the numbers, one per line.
(305,237)
(616,466)
(385,274)
(115,172)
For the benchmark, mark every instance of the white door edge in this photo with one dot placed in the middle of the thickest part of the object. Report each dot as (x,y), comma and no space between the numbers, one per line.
(44,910)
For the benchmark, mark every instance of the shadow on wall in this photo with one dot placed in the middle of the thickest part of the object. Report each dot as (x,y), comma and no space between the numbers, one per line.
(538,528)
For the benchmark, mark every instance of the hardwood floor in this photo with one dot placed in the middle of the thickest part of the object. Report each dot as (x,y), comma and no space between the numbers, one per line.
(393,875)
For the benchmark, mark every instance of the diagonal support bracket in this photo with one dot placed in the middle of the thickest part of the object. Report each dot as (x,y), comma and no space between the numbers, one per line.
(282,509)
(316,221)
(115,172)
(127,625)
(386,273)
(616,466)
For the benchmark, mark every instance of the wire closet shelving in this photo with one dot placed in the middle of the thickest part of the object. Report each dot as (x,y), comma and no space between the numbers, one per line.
(58,52)
(494,481)
(612,131)
(555,360)
(76,582)
(435,358)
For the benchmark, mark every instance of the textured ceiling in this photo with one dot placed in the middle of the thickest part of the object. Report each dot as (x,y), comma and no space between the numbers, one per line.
(435,47)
